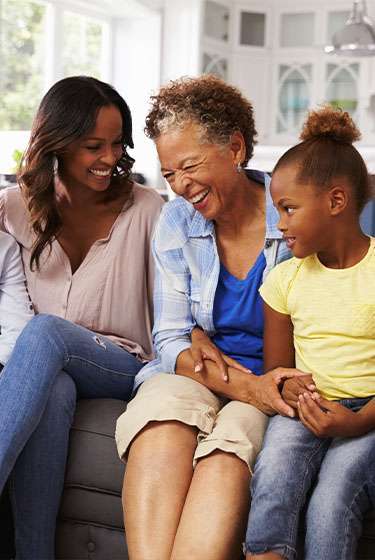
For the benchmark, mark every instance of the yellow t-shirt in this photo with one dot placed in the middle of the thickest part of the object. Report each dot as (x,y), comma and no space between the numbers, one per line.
(333,314)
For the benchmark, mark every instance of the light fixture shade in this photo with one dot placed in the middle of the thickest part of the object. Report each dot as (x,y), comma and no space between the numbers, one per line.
(357,37)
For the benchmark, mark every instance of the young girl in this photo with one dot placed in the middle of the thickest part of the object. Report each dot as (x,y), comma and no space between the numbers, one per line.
(320,314)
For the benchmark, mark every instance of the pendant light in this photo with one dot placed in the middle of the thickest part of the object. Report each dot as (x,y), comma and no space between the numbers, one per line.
(357,37)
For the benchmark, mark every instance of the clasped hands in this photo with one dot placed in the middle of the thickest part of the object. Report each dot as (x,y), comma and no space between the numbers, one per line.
(285,391)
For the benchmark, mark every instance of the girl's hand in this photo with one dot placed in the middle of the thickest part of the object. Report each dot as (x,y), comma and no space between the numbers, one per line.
(328,419)
(295,387)
(266,396)
(202,348)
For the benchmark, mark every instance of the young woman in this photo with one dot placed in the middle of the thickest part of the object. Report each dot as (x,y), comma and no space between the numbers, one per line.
(319,314)
(84,229)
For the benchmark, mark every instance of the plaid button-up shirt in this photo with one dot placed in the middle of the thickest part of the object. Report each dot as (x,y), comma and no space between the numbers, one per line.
(187,273)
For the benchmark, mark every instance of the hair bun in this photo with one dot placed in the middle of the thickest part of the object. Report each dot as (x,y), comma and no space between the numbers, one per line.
(331,123)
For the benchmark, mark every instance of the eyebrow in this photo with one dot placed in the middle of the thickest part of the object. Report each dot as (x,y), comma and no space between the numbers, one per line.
(85,138)
(182,163)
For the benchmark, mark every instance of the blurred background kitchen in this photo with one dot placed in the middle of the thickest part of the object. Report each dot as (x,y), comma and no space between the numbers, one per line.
(286,56)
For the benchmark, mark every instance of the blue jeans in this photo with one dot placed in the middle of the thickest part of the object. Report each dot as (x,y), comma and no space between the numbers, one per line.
(53,361)
(338,472)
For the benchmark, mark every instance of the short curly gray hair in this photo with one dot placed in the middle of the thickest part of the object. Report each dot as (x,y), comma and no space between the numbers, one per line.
(217,107)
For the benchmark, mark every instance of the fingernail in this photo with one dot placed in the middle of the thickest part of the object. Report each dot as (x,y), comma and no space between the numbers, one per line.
(291,414)
(197,368)
(226,378)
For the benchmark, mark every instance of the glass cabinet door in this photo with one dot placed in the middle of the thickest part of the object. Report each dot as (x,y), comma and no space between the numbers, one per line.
(342,86)
(216,21)
(297,30)
(294,97)
(252,29)
(215,64)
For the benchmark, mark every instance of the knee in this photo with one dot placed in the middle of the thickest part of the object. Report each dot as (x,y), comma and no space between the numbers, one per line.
(62,398)
(42,327)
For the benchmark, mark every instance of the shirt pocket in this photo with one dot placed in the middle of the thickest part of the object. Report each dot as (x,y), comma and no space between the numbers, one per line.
(363,320)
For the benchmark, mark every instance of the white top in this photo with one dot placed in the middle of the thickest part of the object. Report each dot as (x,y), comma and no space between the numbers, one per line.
(15,305)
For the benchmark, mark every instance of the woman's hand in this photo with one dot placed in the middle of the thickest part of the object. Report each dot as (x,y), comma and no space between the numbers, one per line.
(202,348)
(327,419)
(296,386)
(266,392)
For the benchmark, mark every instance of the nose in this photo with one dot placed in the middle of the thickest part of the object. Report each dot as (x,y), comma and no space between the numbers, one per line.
(281,226)
(181,183)
(110,156)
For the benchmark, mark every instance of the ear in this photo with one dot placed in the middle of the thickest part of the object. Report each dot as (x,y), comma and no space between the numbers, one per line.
(338,199)
(237,147)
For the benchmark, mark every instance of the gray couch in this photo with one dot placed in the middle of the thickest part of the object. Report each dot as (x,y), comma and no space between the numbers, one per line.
(90,524)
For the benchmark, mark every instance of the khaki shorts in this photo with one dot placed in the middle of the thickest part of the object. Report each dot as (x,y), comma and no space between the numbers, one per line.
(233,427)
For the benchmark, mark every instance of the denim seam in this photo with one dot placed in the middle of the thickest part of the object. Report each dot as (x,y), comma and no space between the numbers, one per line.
(347,524)
(95,364)
(296,514)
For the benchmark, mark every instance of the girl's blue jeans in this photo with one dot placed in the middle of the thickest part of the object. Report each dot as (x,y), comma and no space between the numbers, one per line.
(53,362)
(338,477)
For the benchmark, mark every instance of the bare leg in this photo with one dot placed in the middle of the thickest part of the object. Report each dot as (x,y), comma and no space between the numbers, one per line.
(157,479)
(214,518)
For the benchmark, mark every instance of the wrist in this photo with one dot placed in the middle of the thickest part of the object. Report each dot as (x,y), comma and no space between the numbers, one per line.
(362,423)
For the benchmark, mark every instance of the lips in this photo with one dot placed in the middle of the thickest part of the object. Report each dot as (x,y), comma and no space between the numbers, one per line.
(101,172)
(199,197)
(289,241)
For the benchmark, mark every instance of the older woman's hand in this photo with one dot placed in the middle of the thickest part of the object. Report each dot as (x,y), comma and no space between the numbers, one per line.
(296,386)
(202,348)
(265,393)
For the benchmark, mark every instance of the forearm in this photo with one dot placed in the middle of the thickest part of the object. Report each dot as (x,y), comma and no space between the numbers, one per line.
(240,386)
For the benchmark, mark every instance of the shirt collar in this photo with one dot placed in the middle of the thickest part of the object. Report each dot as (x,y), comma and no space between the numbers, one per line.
(200,227)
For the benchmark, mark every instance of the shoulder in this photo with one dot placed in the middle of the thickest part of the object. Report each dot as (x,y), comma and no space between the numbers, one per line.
(285,272)
(7,243)
(148,197)
(14,214)
(11,200)
(174,224)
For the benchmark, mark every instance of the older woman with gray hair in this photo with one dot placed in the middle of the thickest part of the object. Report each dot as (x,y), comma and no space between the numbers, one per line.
(191,439)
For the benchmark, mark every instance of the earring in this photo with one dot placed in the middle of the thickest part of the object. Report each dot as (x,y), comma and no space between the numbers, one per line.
(55,165)
(239,167)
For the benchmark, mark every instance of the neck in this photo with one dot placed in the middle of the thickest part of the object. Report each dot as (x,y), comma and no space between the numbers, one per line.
(246,211)
(347,246)
(77,196)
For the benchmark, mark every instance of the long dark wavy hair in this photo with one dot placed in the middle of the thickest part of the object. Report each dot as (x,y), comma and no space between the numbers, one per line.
(66,113)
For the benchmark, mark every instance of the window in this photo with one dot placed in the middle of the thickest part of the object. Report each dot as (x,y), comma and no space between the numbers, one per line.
(40,43)
(82,46)
(21,61)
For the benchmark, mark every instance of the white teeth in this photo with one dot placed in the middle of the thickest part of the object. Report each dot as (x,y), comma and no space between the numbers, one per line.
(100,172)
(198,197)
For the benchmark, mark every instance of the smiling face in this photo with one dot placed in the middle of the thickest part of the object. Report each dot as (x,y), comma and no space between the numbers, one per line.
(89,161)
(305,212)
(204,174)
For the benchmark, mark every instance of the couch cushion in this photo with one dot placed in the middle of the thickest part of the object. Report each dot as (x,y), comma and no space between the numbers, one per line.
(90,521)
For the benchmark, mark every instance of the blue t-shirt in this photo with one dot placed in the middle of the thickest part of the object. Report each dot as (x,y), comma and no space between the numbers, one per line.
(238,316)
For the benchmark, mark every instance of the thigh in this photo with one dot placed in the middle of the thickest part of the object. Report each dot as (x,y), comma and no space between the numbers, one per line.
(239,429)
(291,455)
(167,397)
(98,367)
(347,469)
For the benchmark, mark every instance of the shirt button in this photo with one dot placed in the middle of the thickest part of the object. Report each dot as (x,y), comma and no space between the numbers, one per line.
(90,546)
